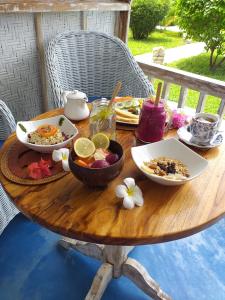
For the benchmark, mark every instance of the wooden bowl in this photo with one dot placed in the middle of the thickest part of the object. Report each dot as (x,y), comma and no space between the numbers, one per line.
(98,177)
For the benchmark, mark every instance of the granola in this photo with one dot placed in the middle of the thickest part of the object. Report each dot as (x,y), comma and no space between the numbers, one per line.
(166,167)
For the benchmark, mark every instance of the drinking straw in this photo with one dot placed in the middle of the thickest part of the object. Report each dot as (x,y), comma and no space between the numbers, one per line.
(158,93)
(115,92)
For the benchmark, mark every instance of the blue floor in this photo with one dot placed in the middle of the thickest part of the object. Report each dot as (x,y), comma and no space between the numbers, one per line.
(32,267)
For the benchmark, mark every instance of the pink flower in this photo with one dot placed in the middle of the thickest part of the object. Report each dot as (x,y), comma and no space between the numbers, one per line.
(178,119)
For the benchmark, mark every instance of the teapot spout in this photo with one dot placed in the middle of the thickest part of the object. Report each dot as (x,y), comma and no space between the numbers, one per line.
(85,100)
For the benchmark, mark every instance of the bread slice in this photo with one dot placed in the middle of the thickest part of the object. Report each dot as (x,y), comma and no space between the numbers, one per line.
(123,99)
(126,120)
(126,114)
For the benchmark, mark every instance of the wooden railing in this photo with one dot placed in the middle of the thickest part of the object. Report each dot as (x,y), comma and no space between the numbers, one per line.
(186,80)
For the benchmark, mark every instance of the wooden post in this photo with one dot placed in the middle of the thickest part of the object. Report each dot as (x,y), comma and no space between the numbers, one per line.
(41,52)
(122,25)
(182,97)
(201,102)
(83,20)
(165,91)
(221,109)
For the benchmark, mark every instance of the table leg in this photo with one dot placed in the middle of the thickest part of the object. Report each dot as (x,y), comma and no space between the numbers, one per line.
(89,249)
(100,282)
(115,264)
(139,275)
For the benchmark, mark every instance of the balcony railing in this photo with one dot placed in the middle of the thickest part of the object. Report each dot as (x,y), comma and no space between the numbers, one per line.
(186,80)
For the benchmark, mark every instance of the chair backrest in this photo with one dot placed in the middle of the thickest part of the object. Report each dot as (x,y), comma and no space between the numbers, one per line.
(93,62)
(7,121)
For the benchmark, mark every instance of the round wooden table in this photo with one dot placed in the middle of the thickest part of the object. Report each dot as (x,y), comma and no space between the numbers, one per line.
(87,216)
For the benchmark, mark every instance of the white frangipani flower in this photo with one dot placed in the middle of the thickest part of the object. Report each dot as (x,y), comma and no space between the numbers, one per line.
(131,193)
(63,155)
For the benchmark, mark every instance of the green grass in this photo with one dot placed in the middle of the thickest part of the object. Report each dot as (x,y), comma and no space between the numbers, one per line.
(199,65)
(157,38)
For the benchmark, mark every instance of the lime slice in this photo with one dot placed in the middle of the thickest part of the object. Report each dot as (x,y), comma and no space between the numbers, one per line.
(100,140)
(128,104)
(84,147)
(119,105)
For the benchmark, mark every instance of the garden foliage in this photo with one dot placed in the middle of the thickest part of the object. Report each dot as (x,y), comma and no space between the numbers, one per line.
(204,20)
(170,18)
(145,15)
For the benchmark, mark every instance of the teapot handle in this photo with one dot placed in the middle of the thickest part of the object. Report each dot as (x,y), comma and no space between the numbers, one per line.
(64,96)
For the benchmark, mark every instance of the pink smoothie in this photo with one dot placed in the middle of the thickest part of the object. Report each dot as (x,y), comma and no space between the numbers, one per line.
(152,122)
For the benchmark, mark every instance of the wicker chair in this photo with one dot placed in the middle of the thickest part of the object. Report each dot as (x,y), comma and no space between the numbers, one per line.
(93,62)
(7,209)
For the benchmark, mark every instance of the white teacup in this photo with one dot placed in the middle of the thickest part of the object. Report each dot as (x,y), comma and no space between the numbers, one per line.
(203,127)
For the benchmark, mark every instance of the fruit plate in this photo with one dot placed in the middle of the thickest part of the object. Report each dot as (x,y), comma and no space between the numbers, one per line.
(17,157)
(170,148)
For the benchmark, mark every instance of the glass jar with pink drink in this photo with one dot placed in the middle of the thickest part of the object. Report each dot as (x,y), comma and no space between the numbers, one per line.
(152,122)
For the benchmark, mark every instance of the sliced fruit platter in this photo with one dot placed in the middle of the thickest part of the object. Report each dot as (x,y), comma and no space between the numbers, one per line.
(128,110)
(96,161)
(94,153)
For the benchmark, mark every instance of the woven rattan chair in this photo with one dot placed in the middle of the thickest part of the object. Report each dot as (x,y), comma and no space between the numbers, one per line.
(7,209)
(93,62)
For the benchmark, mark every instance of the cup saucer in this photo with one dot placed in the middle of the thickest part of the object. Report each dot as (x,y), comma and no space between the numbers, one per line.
(185,136)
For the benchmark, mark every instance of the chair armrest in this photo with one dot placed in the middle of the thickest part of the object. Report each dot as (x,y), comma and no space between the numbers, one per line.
(8,122)
(7,210)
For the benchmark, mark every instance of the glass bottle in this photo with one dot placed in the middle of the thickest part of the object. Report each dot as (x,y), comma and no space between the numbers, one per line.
(152,122)
(103,118)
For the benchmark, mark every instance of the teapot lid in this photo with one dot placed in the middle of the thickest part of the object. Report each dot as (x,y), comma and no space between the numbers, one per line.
(76,95)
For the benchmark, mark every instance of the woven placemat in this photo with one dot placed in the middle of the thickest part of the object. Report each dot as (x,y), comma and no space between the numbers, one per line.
(11,158)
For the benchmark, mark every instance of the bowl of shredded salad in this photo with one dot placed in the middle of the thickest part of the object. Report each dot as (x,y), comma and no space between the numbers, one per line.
(46,135)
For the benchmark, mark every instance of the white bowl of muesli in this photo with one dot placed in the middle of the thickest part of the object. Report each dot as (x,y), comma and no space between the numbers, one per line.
(168,162)
(46,135)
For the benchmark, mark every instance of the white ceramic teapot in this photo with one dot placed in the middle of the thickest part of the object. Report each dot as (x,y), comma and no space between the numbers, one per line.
(75,105)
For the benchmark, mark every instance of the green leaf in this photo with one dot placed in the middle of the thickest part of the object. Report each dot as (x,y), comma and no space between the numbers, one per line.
(22,127)
(61,120)
(203,20)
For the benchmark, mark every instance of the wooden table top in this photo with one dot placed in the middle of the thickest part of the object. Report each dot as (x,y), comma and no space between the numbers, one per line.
(68,207)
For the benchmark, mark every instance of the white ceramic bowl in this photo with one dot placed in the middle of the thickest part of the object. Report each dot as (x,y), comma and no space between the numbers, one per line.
(171,148)
(66,126)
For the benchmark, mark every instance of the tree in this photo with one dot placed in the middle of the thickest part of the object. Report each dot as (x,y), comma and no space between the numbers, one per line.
(204,20)
(145,15)
(170,18)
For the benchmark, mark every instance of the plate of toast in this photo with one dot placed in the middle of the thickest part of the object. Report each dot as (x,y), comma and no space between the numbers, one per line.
(128,110)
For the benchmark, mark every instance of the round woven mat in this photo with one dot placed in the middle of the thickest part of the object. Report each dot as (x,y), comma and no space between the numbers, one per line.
(11,154)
